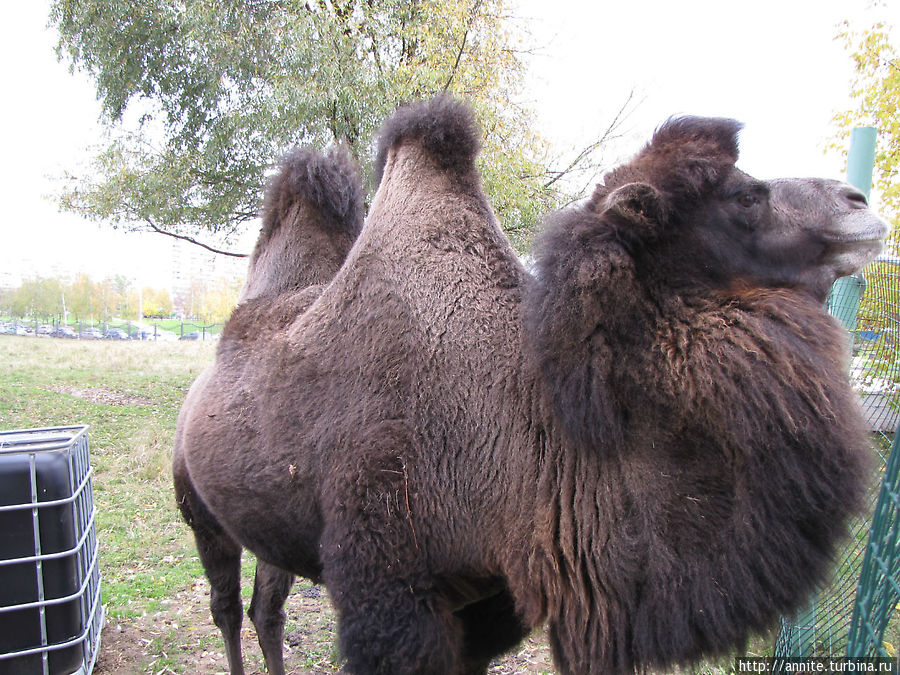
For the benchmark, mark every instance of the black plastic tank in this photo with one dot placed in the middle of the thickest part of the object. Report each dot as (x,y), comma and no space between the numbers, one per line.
(50,613)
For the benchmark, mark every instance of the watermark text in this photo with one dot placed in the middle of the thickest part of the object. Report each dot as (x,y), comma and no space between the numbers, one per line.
(824,665)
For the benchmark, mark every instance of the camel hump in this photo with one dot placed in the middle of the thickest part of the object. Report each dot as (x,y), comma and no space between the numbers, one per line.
(444,126)
(328,182)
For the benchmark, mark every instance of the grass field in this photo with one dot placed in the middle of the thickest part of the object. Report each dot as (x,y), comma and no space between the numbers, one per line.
(154,593)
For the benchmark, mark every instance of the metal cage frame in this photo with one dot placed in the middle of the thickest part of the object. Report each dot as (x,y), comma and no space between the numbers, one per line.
(71,444)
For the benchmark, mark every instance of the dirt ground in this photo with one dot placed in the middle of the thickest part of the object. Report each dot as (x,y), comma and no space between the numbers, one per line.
(183,639)
(101,395)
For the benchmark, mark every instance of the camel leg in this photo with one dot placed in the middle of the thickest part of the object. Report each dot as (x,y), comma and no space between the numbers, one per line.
(270,590)
(389,623)
(392,617)
(397,630)
(221,558)
(491,627)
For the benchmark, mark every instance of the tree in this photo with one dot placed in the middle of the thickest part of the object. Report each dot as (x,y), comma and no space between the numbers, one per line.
(876,92)
(106,298)
(82,299)
(122,298)
(157,303)
(189,301)
(38,298)
(6,301)
(219,300)
(201,98)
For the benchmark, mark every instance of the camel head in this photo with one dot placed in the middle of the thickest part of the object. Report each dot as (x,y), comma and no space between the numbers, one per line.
(677,222)
(683,203)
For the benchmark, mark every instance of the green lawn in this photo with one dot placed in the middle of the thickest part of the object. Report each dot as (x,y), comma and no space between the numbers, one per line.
(129,394)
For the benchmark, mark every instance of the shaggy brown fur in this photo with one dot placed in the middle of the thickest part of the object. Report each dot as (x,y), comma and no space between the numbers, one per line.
(651,446)
(312,213)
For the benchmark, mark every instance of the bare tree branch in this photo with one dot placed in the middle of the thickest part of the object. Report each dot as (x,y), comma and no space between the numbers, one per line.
(604,138)
(191,240)
(475,7)
(455,68)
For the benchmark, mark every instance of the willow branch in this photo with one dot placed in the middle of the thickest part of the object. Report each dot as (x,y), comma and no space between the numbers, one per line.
(191,240)
(605,137)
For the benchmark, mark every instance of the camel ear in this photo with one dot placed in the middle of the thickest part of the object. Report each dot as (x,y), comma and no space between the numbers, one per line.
(636,204)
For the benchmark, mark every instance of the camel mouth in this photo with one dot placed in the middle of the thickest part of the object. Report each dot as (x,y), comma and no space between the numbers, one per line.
(850,257)
(860,227)
(860,239)
(862,249)
(857,241)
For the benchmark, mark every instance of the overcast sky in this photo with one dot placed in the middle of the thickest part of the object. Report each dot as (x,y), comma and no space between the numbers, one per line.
(773,64)
(48,121)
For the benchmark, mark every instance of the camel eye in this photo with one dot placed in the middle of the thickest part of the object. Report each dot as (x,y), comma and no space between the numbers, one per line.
(748,199)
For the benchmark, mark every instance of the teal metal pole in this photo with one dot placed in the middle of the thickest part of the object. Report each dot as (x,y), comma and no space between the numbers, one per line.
(861,158)
(843,301)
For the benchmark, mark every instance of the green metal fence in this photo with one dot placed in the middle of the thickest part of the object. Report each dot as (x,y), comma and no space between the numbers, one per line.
(878,590)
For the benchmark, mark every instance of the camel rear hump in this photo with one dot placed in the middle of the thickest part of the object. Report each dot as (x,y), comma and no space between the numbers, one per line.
(312,213)
(328,182)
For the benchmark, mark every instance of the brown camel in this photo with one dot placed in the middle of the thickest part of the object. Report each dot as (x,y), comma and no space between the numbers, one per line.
(650,445)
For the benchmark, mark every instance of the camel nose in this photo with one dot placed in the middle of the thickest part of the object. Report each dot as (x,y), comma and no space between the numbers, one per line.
(854,197)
